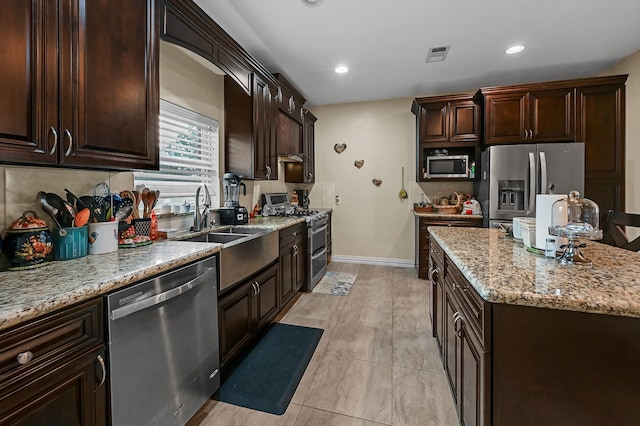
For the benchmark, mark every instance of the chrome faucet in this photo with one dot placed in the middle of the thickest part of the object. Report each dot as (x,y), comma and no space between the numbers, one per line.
(201,219)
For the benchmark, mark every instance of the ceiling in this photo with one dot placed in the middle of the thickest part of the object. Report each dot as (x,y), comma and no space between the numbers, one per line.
(385,43)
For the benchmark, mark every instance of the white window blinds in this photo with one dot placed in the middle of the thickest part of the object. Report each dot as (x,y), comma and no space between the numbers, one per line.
(188,154)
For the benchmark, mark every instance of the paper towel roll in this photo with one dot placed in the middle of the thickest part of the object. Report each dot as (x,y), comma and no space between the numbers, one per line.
(543,219)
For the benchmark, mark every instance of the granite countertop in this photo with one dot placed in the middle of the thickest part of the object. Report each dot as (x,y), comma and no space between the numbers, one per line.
(25,295)
(503,271)
(437,215)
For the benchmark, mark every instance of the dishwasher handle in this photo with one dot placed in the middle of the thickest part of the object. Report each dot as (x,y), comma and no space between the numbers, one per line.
(162,297)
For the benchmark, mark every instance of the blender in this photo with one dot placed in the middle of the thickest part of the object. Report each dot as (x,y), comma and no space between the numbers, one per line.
(233,213)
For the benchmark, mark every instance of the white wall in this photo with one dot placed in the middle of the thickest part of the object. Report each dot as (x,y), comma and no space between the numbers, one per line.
(371,224)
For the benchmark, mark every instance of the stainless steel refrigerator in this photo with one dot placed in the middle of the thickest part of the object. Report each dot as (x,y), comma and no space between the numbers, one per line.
(512,175)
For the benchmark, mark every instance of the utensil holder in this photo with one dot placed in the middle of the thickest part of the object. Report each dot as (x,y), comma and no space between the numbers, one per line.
(70,243)
(142,226)
(103,237)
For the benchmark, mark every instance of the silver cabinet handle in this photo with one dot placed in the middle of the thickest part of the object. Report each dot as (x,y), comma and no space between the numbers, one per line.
(268,167)
(256,288)
(67,133)
(310,176)
(24,357)
(295,250)
(457,330)
(103,370)
(55,140)
(432,273)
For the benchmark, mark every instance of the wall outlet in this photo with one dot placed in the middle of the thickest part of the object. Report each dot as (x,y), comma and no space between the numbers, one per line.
(337,200)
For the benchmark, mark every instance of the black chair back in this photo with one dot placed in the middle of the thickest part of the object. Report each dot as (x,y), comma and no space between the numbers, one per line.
(614,233)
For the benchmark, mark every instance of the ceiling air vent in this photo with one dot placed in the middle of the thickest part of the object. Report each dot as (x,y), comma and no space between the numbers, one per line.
(437,54)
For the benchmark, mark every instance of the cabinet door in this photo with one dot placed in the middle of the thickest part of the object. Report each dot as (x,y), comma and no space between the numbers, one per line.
(552,115)
(264,129)
(300,263)
(433,122)
(308,148)
(29,87)
(464,121)
(470,379)
(235,320)
(505,118)
(287,265)
(600,112)
(451,342)
(72,393)
(109,84)
(267,295)
(289,135)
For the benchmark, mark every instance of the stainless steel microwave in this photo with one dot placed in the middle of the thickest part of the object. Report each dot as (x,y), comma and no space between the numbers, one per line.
(447,166)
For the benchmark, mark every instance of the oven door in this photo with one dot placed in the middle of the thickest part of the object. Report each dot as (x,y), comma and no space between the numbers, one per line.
(317,267)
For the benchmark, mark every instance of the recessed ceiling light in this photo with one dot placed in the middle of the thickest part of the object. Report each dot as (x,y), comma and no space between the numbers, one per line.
(515,49)
(312,3)
(341,69)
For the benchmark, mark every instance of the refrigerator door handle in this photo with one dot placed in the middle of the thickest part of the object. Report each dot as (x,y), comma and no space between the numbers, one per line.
(543,173)
(532,182)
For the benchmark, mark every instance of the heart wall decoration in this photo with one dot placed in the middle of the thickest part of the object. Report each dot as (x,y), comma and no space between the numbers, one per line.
(376,182)
(358,163)
(340,147)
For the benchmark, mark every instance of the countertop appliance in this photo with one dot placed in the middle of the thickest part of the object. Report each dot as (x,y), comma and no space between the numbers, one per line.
(512,175)
(233,213)
(163,346)
(317,232)
(447,166)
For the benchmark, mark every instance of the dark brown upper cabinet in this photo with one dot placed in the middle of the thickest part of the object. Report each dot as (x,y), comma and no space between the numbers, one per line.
(291,100)
(518,114)
(449,118)
(72,93)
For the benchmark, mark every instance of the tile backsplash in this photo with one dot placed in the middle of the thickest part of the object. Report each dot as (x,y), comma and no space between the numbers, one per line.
(20,185)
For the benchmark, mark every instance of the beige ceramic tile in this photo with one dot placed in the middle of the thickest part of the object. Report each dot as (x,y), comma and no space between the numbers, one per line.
(416,350)
(220,413)
(312,417)
(307,379)
(422,399)
(352,387)
(327,326)
(360,342)
(362,312)
(23,183)
(410,315)
(317,306)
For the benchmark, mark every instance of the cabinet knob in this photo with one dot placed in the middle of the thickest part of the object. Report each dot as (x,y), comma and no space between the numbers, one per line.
(24,357)
(55,140)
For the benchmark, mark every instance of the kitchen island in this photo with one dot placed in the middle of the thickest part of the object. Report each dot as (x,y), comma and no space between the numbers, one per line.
(526,340)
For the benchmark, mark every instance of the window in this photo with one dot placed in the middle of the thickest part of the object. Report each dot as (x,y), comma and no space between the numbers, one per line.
(188,156)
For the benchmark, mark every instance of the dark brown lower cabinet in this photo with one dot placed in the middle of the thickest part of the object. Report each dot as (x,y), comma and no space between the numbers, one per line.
(528,366)
(422,236)
(293,261)
(245,310)
(52,370)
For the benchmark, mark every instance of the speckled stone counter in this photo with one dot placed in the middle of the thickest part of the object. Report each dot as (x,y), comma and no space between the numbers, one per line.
(25,295)
(503,271)
(436,215)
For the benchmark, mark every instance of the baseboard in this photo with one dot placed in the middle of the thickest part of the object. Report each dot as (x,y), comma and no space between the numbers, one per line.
(399,263)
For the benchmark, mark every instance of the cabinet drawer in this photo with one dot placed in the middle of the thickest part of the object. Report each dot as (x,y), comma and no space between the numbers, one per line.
(475,309)
(292,233)
(437,254)
(48,339)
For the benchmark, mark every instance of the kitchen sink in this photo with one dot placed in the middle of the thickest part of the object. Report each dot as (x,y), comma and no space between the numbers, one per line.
(244,252)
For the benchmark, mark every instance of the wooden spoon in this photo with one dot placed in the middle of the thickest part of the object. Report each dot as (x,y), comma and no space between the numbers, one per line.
(150,202)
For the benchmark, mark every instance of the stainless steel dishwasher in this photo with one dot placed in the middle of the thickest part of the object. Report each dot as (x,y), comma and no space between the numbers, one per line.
(163,346)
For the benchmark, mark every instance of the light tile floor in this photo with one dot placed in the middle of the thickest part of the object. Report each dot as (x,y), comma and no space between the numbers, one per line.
(376,363)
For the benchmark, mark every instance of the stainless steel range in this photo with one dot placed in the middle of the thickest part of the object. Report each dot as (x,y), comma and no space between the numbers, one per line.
(279,204)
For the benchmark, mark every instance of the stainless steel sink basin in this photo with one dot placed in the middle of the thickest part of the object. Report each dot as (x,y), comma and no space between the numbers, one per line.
(243,254)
